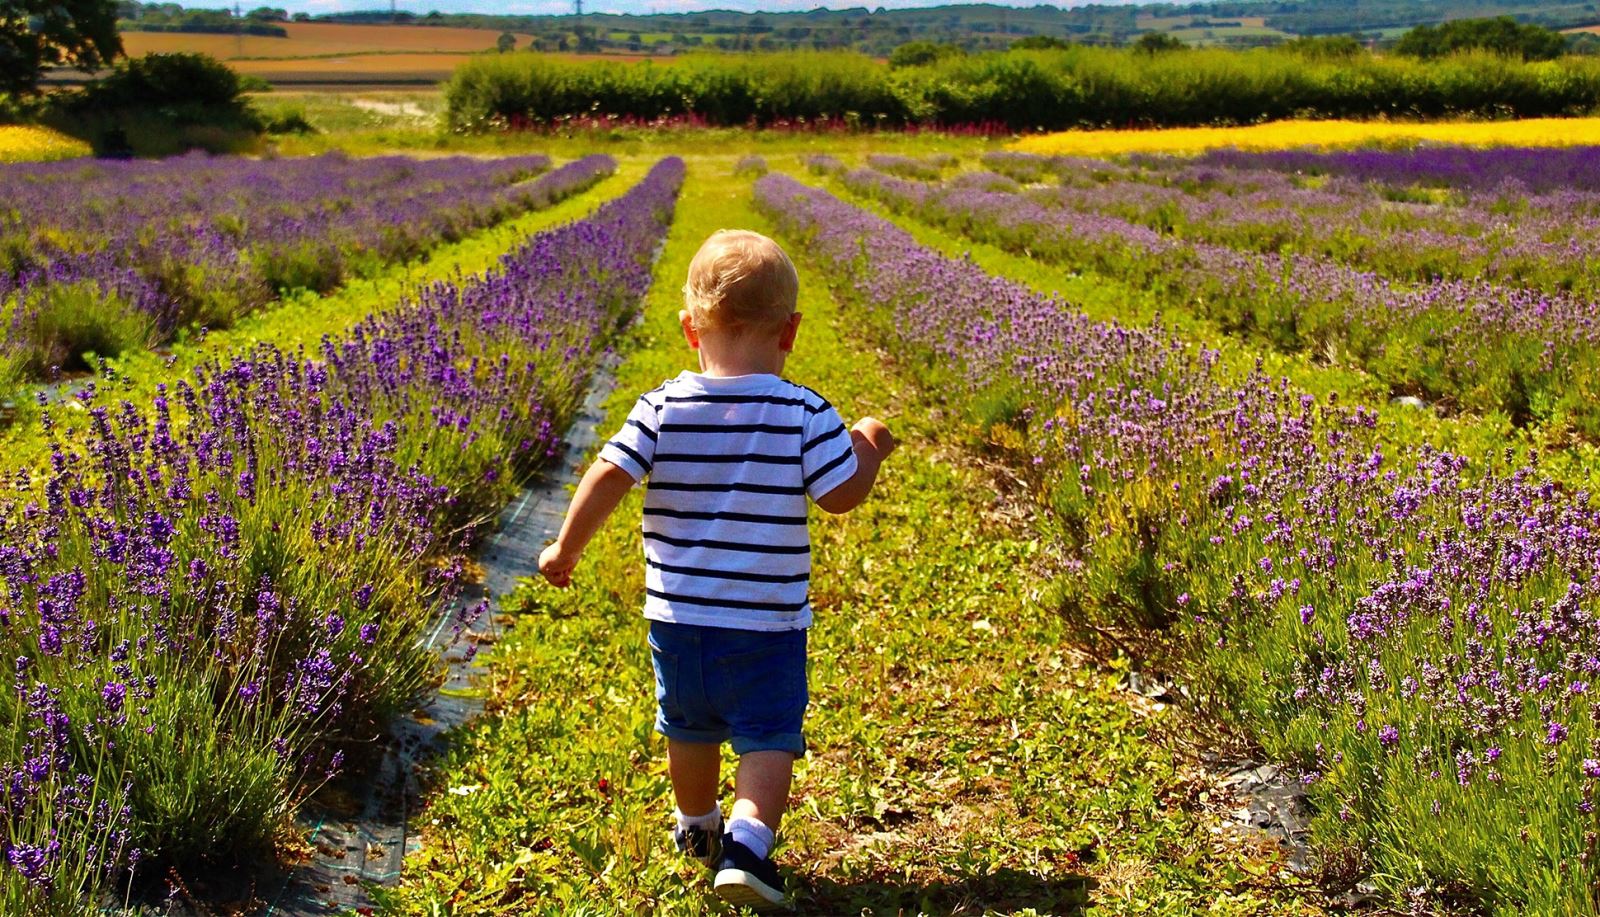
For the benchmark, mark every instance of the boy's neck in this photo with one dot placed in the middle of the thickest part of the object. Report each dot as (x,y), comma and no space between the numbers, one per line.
(739,361)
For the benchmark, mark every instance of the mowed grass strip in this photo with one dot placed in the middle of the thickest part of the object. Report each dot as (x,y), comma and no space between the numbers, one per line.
(964,758)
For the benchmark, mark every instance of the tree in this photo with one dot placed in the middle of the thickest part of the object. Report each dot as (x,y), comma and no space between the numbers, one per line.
(1500,35)
(36,34)
(1040,43)
(1326,47)
(506,42)
(1158,43)
(921,53)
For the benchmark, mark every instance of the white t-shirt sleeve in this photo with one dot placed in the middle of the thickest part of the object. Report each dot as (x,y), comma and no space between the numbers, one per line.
(634,446)
(827,458)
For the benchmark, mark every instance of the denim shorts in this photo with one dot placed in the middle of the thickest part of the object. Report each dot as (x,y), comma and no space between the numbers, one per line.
(716,683)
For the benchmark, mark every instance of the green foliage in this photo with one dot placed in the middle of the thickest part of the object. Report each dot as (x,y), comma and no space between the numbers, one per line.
(287,121)
(921,53)
(64,324)
(19,109)
(1500,35)
(1158,43)
(170,17)
(1020,90)
(1336,47)
(160,104)
(1040,43)
(35,35)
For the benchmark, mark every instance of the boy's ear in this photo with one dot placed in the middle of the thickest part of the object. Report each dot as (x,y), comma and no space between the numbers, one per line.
(790,331)
(689,334)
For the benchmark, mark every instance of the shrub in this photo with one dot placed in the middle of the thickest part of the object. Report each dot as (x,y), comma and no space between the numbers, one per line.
(161,104)
(921,53)
(1500,35)
(1157,43)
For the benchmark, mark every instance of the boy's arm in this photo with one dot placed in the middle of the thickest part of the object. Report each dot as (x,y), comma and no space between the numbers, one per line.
(602,488)
(872,443)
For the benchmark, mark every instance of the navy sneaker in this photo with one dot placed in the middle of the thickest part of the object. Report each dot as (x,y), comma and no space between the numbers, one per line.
(704,844)
(746,879)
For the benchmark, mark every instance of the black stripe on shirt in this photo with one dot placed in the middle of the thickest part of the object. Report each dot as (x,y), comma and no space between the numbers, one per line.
(643,429)
(623,448)
(713,458)
(744,399)
(731,428)
(728,603)
(729,574)
(723,486)
(728,545)
(819,440)
(814,476)
(725,516)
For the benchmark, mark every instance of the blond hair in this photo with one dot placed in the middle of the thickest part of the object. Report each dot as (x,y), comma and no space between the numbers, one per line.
(740,280)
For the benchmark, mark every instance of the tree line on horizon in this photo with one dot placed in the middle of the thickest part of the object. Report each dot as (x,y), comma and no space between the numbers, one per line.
(972,27)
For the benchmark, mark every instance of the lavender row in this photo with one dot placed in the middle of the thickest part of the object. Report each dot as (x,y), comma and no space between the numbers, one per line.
(1469,344)
(1549,241)
(1501,170)
(1416,633)
(208,597)
(112,256)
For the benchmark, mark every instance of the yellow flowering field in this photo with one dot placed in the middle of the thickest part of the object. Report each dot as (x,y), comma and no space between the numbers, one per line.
(20,143)
(1276,135)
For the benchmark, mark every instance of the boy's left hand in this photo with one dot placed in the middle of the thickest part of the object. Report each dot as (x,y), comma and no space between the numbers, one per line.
(556,564)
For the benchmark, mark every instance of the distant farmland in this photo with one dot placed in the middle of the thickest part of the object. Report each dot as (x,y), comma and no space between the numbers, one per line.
(334,54)
(320,39)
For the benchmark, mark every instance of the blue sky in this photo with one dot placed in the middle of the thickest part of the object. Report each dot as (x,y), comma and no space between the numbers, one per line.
(597,6)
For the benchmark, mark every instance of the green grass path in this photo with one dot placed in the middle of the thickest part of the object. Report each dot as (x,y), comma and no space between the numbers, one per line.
(964,758)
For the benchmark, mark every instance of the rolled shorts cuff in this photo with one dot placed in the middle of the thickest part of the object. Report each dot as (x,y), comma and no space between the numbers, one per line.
(690,734)
(792,742)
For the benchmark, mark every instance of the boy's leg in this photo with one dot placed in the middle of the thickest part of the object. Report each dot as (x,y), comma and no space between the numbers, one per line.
(746,874)
(761,786)
(696,771)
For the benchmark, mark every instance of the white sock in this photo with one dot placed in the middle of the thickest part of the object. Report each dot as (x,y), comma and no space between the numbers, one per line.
(710,821)
(753,834)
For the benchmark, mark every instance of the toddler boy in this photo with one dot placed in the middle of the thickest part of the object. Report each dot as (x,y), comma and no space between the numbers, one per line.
(731,453)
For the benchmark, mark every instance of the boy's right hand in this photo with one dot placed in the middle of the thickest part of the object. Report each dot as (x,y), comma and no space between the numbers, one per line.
(873,431)
(556,564)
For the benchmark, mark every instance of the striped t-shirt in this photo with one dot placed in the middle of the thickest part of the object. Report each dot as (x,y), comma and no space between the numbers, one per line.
(731,461)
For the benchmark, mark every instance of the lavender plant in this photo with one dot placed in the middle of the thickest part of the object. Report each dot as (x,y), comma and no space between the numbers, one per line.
(209,597)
